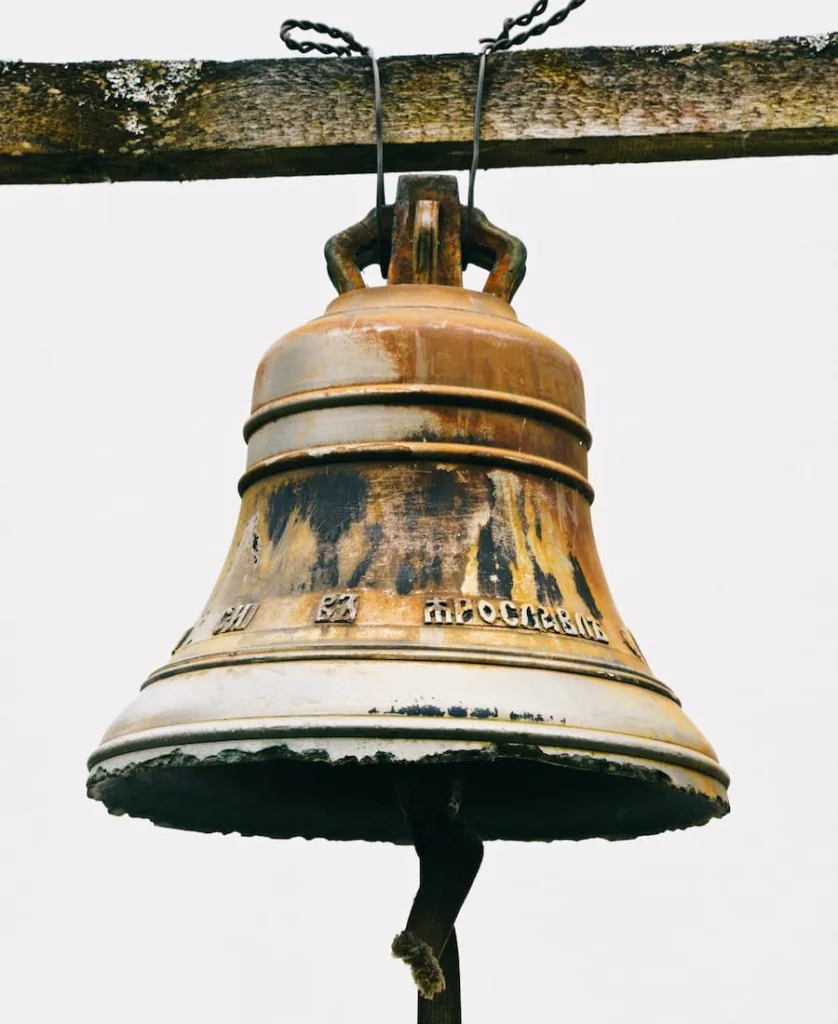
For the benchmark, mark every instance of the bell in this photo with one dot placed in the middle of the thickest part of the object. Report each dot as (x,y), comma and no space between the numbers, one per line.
(413,591)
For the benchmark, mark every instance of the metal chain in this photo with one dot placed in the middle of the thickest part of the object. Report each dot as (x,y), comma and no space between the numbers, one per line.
(351,46)
(505,41)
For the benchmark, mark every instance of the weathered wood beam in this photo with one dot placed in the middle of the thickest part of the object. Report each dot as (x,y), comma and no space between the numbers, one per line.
(142,120)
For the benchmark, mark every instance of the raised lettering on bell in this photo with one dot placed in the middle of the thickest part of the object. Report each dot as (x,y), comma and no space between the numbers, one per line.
(337,609)
(460,611)
(235,618)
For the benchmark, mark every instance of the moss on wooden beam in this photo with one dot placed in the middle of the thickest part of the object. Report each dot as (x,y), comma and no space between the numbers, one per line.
(171,120)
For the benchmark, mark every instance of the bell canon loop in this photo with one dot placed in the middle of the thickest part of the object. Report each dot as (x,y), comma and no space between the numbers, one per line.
(413,588)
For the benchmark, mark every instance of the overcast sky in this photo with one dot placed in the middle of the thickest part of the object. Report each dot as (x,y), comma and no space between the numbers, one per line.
(699,300)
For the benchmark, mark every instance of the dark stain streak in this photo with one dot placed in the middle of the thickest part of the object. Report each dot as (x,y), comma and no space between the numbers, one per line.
(495,552)
(419,710)
(546,585)
(281,504)
(432,508)
(255,547)
(405,578)
(525,716)
(493,572)
(446,495)
(432,572)
(431,711)
(429,574)
(582,587)
(374,534)
(373,711)
(521,505)
(331,502)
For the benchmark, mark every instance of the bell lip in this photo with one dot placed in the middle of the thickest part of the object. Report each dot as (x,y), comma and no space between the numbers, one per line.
(541,706)
(300,721)
(438,296)
(138,784)
(544,736)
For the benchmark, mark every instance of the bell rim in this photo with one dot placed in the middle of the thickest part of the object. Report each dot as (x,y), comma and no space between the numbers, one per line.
(277,750)
(660,798)
(545,736)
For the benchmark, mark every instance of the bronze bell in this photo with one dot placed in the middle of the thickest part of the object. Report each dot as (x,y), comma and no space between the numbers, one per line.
(412,619)
(413,581)
(413,615)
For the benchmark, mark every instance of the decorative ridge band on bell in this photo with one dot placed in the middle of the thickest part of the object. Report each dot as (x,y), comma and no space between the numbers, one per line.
(438,394)
(413,595)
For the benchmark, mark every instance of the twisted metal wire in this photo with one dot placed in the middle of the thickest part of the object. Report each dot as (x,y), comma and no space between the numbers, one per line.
(308,45)
(351,45)
(505,41)
(493,44)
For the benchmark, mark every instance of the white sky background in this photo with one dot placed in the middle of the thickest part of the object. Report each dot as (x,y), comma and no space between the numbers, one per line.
(700,302)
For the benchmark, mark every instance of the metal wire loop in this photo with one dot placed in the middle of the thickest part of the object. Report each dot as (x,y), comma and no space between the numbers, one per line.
(475,151)
(505,41)
(351,45)
(308,45)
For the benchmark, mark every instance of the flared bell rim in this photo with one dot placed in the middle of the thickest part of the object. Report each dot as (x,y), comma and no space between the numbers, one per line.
(338,792)
(186,754)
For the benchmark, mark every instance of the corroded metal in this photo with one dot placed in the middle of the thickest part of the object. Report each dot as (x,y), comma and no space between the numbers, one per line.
(413,581)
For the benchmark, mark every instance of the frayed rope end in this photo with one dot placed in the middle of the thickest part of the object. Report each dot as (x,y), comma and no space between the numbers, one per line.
(422,961)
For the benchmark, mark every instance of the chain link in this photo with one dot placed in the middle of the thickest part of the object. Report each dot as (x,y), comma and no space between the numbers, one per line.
(505,41)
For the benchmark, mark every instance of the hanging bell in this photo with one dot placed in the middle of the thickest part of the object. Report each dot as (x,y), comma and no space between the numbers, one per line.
(413,590)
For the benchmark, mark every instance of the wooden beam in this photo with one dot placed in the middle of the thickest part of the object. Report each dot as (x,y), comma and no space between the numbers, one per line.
(142,120)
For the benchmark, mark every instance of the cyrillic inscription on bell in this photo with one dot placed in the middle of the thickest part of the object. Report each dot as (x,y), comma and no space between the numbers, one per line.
(465,611)
(337,608)
(414,547)
(235,618)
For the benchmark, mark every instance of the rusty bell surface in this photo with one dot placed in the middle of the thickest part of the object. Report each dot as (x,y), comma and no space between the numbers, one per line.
(413,585)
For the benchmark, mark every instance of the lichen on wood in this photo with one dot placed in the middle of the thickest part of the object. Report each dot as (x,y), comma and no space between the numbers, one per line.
(175,120)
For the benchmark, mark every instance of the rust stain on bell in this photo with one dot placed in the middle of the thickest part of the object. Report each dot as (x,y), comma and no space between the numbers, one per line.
(413,585)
